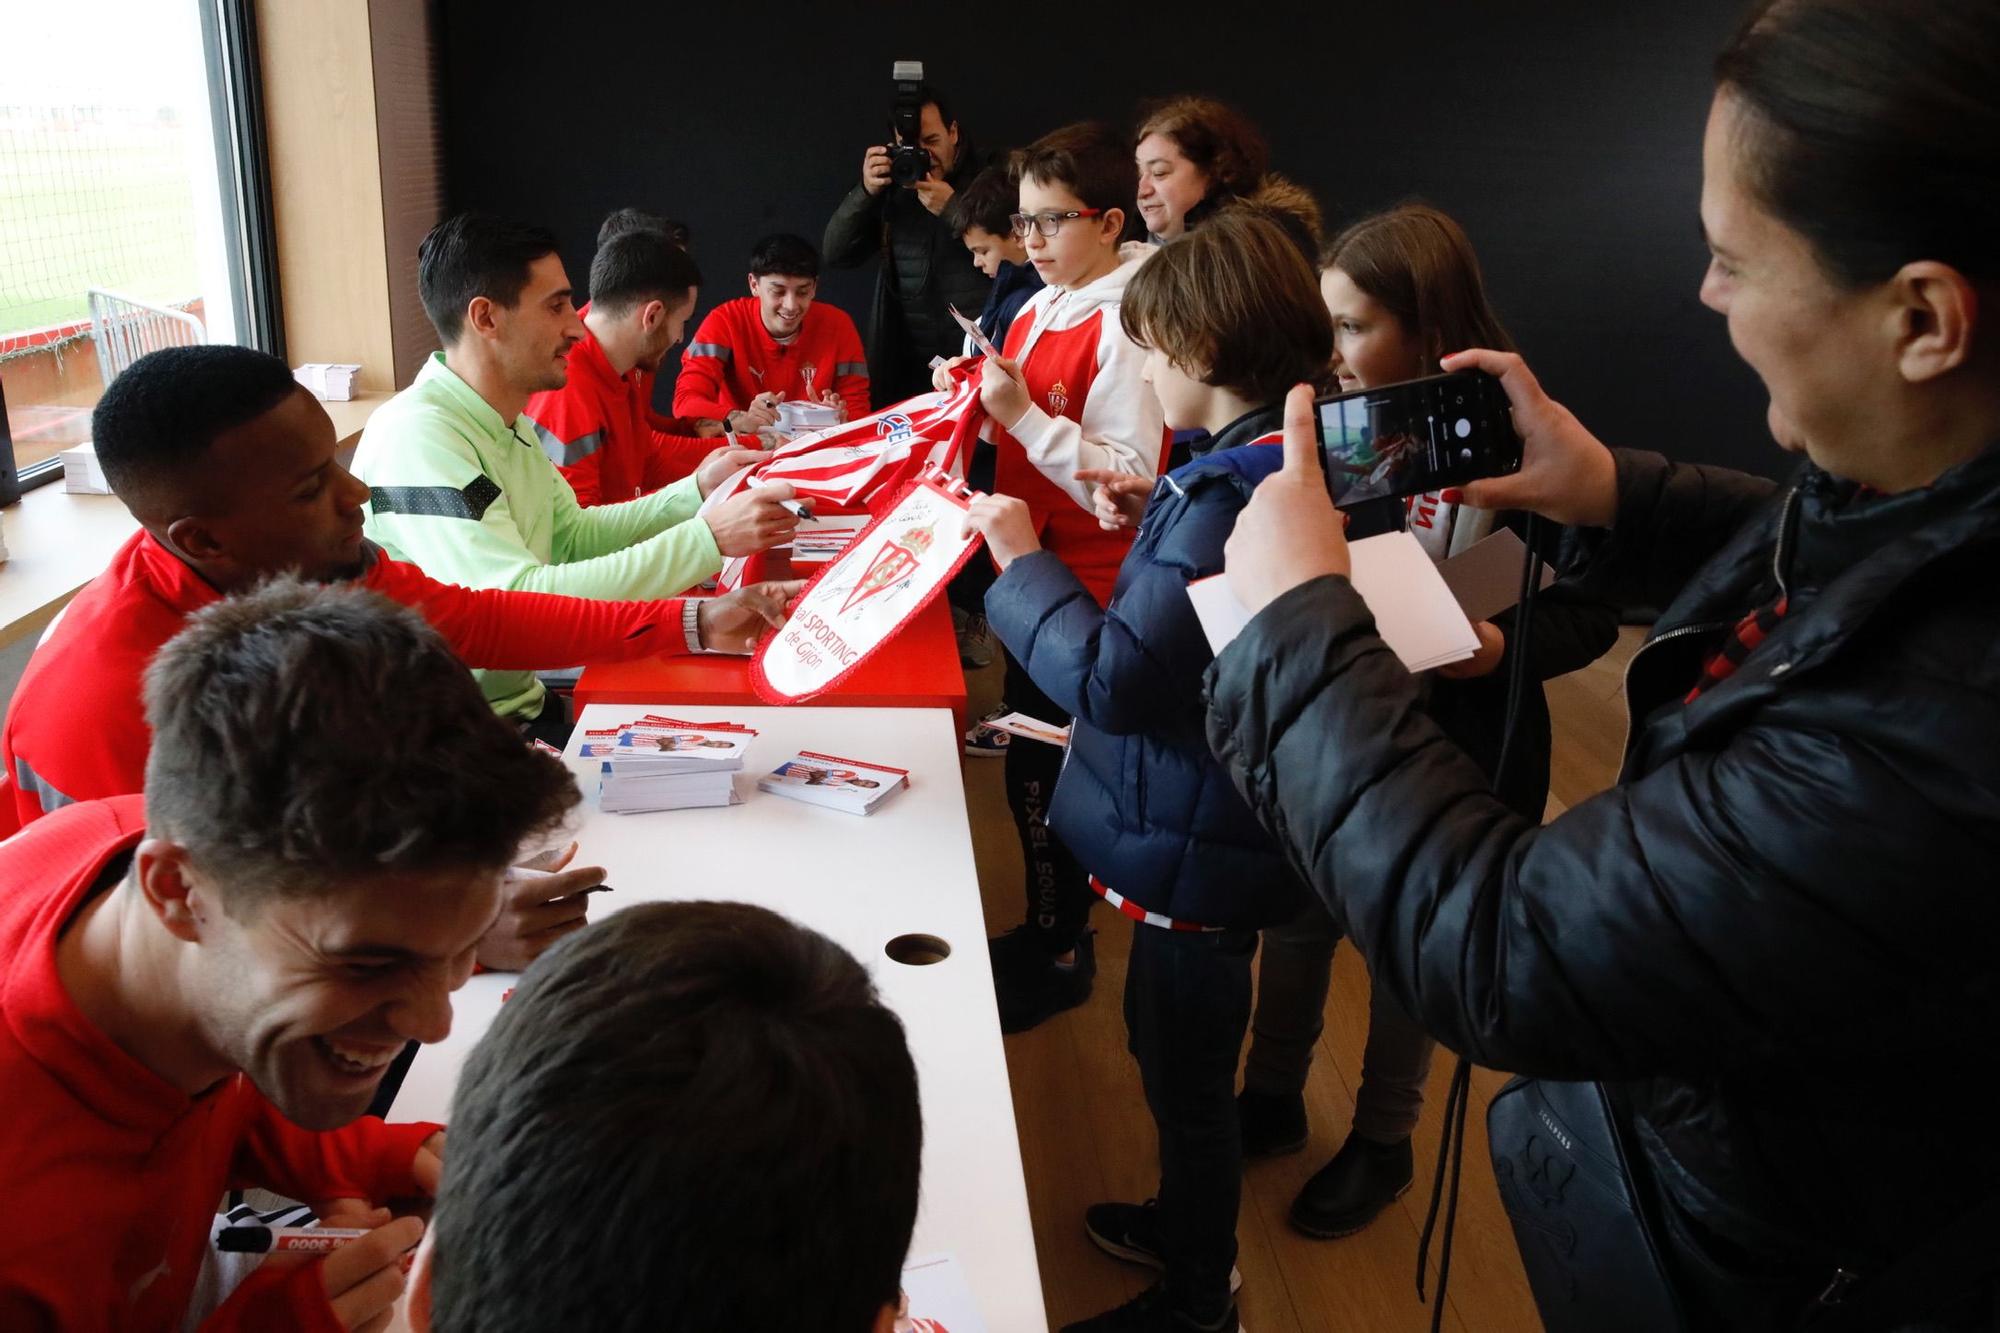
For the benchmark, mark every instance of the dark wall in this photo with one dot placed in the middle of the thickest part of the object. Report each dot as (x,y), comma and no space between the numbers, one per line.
(1566,136)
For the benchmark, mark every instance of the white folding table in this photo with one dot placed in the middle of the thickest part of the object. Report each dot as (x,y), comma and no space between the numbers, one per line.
(905,870)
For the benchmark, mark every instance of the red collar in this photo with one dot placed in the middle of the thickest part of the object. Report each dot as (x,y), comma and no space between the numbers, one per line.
(47,1023)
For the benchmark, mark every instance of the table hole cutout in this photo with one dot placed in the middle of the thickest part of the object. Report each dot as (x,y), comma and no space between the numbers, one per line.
(917,950)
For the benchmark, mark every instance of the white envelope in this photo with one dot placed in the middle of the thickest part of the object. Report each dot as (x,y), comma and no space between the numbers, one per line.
(1415,613)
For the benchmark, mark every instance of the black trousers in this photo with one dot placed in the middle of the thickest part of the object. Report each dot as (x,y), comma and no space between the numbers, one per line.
(1187,1006)
(1058,887)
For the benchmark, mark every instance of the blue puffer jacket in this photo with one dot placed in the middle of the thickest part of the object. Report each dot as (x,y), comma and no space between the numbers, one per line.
(1142,802)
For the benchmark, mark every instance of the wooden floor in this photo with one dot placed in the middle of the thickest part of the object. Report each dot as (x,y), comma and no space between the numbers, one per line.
(1086,1136)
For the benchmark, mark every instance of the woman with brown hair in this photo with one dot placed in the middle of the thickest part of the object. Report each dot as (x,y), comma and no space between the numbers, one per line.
(1403,288)
(1195,155)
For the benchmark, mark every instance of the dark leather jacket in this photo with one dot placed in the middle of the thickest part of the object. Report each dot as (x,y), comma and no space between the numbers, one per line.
(1775,936)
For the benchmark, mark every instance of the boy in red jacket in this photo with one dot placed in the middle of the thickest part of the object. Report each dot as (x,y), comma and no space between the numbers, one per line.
(598,428)
(774,345)
(202,990)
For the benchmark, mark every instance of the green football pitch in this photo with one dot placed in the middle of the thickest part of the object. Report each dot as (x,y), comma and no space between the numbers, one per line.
(97,206)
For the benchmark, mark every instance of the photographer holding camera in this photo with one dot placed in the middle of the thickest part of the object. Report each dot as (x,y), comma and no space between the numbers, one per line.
(894,212)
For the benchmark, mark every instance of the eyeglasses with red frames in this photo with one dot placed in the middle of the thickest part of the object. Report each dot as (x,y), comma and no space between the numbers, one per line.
(1048,224)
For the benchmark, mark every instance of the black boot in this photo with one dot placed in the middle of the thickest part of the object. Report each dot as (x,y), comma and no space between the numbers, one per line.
(1272,1123)
(1347,1193)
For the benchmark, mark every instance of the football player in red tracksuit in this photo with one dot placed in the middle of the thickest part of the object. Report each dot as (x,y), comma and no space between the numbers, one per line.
(775,345)
(201,989)
(1068,405)
(598,428)
(223,433)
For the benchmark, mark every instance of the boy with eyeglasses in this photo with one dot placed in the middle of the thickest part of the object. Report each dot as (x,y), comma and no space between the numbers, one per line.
(1067,404)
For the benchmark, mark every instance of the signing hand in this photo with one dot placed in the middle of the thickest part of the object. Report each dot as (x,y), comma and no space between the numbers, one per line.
(1567,475)
(875,169)
(752,520)
(734,622)
(933,193)
(723,464)
(1117,498)
(536,910)
(1492,647)
(1290,532)
(762,412)
(941,377)
(363,1279)
(1007,526)
(1002,391)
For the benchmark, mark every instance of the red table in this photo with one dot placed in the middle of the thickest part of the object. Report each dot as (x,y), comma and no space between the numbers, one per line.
(917,669)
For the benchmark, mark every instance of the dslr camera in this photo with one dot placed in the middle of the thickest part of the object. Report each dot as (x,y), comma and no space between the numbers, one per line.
(909,161)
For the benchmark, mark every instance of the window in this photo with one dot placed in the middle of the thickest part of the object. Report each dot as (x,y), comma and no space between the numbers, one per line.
(133,205)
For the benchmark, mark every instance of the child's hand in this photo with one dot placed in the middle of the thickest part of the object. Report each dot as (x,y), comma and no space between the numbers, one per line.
(1003,392)
(1492,647)
(1289,533)
(1007,526)
(941,377)
(1117,498)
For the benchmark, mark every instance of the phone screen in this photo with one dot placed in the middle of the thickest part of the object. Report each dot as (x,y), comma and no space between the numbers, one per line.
(1421,435)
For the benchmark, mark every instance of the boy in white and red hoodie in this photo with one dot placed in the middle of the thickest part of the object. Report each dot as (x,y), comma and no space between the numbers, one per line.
(1068,406)
(202,989)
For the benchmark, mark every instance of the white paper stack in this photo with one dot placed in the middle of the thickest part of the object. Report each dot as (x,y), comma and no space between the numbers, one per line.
(820,539)
(795,418)
(330,382)
(829,780)
(1415,613)
(665,764)
(82,474)
(937,1296)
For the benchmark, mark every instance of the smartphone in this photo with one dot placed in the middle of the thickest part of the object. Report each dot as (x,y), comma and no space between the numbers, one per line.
(1419,435)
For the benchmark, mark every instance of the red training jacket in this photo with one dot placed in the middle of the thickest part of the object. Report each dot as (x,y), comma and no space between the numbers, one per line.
(733,359)
(76,729)
(112,1174)
(598,431)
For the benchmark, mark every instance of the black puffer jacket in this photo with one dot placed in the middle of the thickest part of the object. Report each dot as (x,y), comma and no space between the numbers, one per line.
(1778,935)
(924,270)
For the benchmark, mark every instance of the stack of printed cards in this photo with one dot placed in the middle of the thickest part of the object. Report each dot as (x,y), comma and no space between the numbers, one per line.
(665,763)
(328,382)
(843,784)
(820,539)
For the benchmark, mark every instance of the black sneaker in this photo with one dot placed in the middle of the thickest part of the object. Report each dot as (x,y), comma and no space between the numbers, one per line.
(1272,1123)
(1031,985)
(1350,1191)
(1148,1312)
(1131,1231)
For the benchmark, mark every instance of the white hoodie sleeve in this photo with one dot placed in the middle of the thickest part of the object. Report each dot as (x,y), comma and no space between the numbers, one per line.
(1121,430)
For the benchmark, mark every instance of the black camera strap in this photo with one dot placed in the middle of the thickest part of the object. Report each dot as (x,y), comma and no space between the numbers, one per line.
(1457,1102)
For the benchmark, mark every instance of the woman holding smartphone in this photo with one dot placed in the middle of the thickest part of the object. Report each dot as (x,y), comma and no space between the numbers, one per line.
(1772,939)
